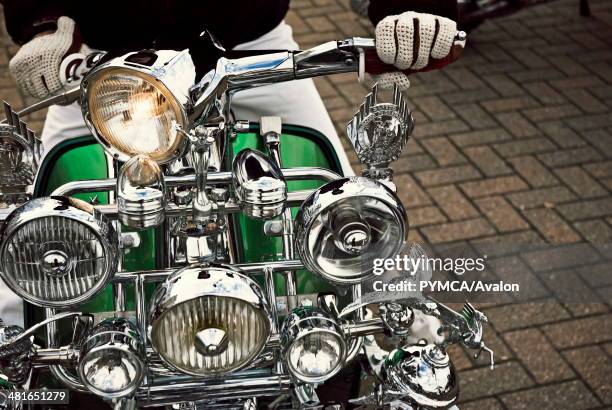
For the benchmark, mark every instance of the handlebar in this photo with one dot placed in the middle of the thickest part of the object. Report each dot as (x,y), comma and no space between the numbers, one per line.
(231,75)
(334,57)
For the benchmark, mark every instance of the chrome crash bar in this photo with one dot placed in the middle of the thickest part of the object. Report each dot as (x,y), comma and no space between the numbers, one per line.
(161,389)
(213,178)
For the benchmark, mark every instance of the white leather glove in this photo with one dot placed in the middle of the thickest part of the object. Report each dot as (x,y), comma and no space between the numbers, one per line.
(410,41)
(36,66)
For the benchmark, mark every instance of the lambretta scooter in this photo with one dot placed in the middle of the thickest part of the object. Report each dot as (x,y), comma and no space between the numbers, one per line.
(180,257)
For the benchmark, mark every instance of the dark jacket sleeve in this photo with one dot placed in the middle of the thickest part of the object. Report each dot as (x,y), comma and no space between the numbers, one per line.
(26,18)
(380,9)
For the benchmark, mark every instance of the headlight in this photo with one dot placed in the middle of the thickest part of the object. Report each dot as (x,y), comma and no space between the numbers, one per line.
(112,359)
(346,224)
(313,345)
(56,251)
(208,320)
(133,103)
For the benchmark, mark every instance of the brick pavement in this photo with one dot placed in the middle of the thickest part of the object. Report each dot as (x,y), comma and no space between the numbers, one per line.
(513,142)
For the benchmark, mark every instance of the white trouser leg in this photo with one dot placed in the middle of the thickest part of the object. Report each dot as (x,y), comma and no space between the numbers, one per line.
(296,102)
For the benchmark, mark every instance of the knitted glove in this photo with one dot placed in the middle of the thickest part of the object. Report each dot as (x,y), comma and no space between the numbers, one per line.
(410,41)
(36,66)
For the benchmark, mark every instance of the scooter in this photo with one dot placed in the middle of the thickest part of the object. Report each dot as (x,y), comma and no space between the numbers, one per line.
(180,257)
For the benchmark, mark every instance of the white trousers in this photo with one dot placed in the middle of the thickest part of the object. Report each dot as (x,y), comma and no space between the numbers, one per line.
(296,102)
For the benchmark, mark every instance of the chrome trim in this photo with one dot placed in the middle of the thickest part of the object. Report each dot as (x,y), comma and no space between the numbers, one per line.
(259,184)
(141,193)
(170,390)
(230,207)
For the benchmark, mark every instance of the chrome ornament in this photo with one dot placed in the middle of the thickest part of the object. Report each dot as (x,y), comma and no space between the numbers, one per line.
(20,153)
(379,131)
(397,318)
(15,362)
(422,375)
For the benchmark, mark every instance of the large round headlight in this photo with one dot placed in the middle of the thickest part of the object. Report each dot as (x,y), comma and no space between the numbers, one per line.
(348,223)
(112,359)
(313,344)
(208,320)
(133,108)
(56,251)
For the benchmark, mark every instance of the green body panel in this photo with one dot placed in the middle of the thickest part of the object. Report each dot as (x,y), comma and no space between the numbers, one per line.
(82,158)
(256,247)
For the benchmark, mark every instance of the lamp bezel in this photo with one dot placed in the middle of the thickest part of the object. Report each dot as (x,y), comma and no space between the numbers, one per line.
(332,193)
(163,75)
(303,322)
(70,208)
(185,285)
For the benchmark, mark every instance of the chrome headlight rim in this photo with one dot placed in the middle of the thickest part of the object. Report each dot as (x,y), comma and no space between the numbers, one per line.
(306,321)
(132,386)
(123,339)
(118,65)
(249,289)
(73,209)
(330,194)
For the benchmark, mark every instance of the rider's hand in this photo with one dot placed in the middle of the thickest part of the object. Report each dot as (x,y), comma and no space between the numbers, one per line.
(36,66)
(411,42)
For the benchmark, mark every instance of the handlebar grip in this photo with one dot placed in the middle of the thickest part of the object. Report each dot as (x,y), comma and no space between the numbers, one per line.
(374,65)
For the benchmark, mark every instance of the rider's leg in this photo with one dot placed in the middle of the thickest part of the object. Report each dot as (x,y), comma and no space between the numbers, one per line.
(63,123)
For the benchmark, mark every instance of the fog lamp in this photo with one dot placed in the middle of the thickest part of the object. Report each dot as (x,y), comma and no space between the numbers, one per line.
(133,103)
(112,359)
(208,320)
(57,251)
(259,184)
(141,193)
(313,344)
(345,225)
